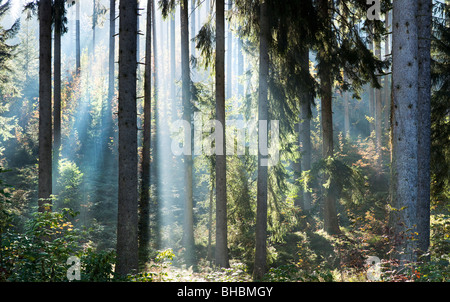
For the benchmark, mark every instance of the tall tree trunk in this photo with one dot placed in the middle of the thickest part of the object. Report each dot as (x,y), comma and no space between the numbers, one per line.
(229,53)
(371,91)
(305,130)
(127,239)
(405,73)
(263,115)
(172,59)
(78,38)
(424,125)
(144,203)
(346,112)
(330,214)
(45,103)
(157,199)
(111,75)
(378,110)
(192,22)
(221,164)
(187,112)
(387,86)
(59,7)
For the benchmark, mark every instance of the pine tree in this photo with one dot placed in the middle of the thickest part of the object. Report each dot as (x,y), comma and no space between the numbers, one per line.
(45,103)
(424,18)
(221,165)
(144,200)
(404,166)
(263,114)
(187,116)
(127,223)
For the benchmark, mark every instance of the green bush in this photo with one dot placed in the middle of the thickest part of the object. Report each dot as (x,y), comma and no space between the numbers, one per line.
(41,252)
(97,266)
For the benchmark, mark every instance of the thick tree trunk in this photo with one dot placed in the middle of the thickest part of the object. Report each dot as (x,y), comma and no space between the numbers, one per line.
(221,165)
(187,112)
(424,125)
(263,114)
(45,103)
(405,73)
(127,239)
(144,202)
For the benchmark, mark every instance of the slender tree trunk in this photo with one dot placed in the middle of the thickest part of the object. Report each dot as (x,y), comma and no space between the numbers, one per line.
(127,239)
(371,92)
(305,130)
(188,159)
(45,103)
(59,6)
(111,75)
(144,204)
(424,125)
(387,86)
(378,111)
(346,115)
(229,53)
(221,164)
(405,73)
(210,216)
(330,214)
(155,151)
(78,38)
(263,115)
(172,59)
(192,23)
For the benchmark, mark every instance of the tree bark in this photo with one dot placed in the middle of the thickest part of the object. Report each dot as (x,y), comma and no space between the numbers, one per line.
(424,124)
(59,7)
(346,112)
(387,86)
(263,114)
(371,91)
(330,214)
(157,127)
(127,239)
(187,112)
(229,53)
(221,165)
(45,104)
(378,111)
(305,131)
(144,203)
(405,73)
(111,76)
